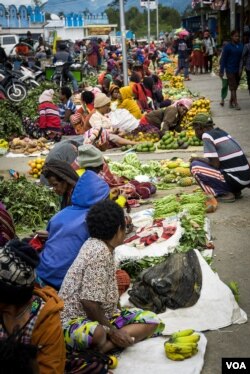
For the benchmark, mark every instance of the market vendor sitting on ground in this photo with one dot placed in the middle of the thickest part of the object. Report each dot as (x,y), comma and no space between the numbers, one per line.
(224,170)
(49,118)
(62,178)
(90,292)
(29,316)
(67,230)
(99,121)
(126,101)
(168,118)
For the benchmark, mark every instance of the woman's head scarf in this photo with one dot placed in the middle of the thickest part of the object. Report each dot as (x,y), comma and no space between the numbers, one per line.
(187,103)
(62,170)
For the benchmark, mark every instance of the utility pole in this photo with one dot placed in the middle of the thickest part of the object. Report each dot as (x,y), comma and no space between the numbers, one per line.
(124,48)
(232,15)
(149,31)
(157,19)
(202,16)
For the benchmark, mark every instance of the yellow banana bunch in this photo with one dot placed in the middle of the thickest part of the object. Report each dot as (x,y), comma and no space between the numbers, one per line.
(182,345)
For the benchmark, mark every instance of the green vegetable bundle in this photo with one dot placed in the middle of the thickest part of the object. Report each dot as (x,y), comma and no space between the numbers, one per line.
(10,120)
(134,267)
(30,205)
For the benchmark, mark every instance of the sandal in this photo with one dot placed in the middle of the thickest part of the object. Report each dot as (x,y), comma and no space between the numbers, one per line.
(229,198)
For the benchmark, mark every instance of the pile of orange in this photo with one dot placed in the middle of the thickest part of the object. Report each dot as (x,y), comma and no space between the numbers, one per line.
(36,167)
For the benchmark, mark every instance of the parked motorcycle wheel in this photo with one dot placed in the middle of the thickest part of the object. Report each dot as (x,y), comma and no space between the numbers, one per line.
(16,92)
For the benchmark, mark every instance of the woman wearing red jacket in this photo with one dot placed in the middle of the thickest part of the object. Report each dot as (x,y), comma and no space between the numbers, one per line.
(49,118)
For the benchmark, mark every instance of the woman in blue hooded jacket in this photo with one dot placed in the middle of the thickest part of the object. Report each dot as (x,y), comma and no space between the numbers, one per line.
(68,230)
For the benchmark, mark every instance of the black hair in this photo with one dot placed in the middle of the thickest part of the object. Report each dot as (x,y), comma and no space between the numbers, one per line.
(16,357)
(96,169)
(118,82)
(104,219)
(50,174)
(135,78)
(66,91)
(234,32)
(148,83)
(88,97)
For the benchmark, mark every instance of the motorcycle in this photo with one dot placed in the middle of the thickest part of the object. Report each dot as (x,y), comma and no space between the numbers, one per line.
(88,70)
(60,74)
(14,89)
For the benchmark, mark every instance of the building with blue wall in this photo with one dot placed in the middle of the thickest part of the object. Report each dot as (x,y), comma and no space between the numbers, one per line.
(14,17)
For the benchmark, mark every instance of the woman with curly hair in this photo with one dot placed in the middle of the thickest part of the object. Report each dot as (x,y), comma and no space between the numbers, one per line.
(91,317)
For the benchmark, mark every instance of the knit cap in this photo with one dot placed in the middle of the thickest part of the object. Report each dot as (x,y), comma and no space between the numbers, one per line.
(47,95)
(202,119)
(101,100)
(89,156)
(18,261)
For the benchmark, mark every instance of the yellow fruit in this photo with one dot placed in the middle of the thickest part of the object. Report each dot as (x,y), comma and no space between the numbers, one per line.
(30,163)
(188,339)
(35,170)
(179,334)
(35,176)
(39,166)
(183,172)
(175,356)
(113,363)
(33,165)
(38,160)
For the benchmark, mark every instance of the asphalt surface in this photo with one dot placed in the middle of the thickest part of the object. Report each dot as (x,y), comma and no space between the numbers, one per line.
(230,224)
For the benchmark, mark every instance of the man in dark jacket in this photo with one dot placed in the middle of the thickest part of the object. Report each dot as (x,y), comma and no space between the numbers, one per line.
(230,62)
(3,56)
(183,48)
(63,56)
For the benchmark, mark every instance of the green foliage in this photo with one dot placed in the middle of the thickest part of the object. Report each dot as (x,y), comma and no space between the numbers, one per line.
(136,21)
(10,120)
(30,205)
(11,114)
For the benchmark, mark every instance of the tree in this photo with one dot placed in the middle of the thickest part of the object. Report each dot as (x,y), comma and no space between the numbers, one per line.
(113,15)
(115,4)
(189,11)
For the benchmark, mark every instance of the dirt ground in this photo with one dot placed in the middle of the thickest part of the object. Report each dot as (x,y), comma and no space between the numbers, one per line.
(230,224)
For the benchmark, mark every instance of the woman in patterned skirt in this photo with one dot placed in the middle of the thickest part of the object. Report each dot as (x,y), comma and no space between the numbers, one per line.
(91,318)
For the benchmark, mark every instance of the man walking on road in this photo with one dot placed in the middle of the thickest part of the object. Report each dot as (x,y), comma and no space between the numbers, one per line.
(230,62)
(224,170)
(245,61)
(209,51)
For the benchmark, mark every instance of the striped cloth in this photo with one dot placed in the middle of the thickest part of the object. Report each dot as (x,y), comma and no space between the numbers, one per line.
(7,228)
(233,162)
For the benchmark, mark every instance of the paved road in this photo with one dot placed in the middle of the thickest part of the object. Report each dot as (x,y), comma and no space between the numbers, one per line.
(230,224)
(231,230)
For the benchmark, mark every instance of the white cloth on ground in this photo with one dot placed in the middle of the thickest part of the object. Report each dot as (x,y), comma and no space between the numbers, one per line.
(215,309)
(148,357)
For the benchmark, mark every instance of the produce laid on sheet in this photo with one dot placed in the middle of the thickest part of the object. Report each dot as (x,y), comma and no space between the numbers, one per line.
(164,174)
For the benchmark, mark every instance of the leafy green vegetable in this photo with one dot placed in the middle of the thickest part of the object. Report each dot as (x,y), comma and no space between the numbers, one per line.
(194,236)
(30,205)
(134,267)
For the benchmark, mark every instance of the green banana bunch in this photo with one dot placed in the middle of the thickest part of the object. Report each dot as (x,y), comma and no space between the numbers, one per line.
(182,345)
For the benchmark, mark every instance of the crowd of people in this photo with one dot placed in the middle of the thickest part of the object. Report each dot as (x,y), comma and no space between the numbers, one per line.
(59,308)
